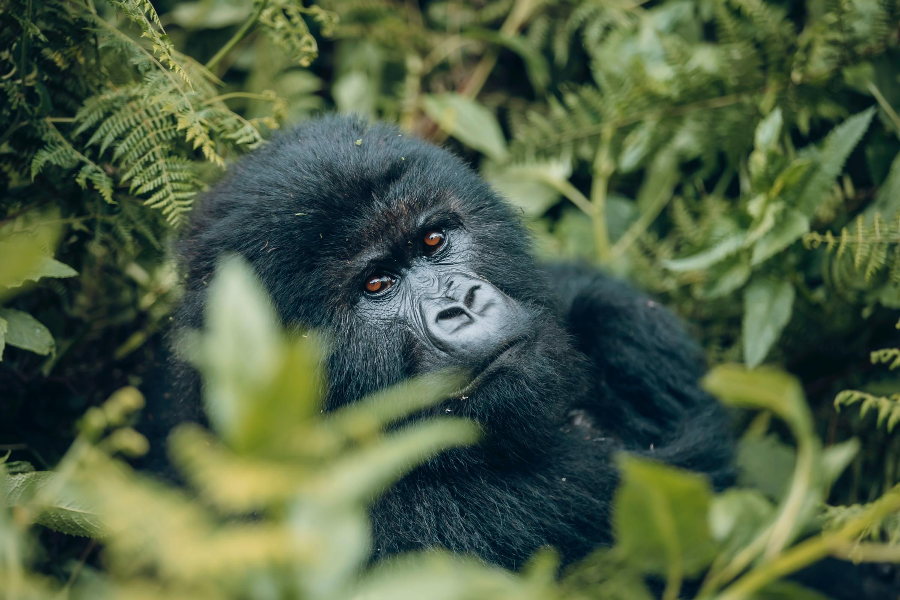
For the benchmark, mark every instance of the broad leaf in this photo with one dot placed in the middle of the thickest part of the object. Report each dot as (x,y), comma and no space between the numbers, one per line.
(768,304)
(736,517)
(836,459)
(707,258)
(43,267)
(660,517)
(765,464)
(62,510)
(468,121)
(531,186)
(765,138)
(24,331)
(789,227)
(762,389)
(724,278)
(239,353)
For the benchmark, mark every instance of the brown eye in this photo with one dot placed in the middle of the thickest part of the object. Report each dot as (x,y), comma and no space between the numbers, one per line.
(433,241)
(378,282)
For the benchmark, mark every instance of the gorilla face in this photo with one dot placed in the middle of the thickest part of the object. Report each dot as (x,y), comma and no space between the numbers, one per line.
(405,257)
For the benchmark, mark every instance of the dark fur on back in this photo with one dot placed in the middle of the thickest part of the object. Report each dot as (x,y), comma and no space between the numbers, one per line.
(606,370)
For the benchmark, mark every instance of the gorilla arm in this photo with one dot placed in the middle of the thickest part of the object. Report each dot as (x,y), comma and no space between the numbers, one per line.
(647,373)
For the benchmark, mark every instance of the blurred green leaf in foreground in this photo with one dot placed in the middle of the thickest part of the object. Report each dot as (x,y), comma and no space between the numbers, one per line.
(276,499)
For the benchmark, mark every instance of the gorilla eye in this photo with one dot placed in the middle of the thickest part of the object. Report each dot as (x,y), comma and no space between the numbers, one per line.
(433,241)
(378,283)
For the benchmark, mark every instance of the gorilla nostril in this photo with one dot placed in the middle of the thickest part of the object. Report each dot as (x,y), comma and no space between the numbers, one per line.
(450,313)
(470,296)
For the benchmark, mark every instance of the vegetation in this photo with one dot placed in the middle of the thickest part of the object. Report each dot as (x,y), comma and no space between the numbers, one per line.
(738,158)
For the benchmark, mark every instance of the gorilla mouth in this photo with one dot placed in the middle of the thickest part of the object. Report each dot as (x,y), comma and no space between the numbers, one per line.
(494,362)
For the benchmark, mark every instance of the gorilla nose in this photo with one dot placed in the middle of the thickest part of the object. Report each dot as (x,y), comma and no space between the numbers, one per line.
(471,319)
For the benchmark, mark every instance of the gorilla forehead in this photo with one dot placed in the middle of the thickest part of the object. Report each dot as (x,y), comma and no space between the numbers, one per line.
(339,177)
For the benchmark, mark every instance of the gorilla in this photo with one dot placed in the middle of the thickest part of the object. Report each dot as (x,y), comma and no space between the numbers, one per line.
(411,263)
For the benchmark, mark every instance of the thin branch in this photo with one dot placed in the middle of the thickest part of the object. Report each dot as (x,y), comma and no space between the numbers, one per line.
(237,37)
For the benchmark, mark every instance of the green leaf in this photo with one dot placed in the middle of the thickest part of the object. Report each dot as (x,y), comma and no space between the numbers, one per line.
(836,459)
(660,518)
(790,227)
(355,93)
(240,350)
(787,590)
(659,181)
(468,121)
(24,331)
(768,304)
(765,139)
(762,389)
(61,510)
(4,327)
(707,258)
(887,199)
(529,185)
(724,278)
(637,145)
(43,266)
(737,516)
(765,464)
(835,150)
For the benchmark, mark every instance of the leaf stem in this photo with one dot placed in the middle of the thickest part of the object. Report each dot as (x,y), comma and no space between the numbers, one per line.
(238,36)
(602,170)
(564,187)
(517,17)
(812,550)
(882,101)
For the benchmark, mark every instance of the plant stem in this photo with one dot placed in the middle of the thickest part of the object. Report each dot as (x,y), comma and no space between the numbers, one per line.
(812,550)
(568,190)
(520,12)
(602,170)
(859,553)
(882,101)
(230,95)
(237,37)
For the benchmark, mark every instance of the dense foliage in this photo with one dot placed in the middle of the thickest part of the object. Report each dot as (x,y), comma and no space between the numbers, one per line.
(738,158)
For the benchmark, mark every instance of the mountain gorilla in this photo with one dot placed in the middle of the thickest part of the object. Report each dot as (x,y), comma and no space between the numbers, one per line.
(411,263)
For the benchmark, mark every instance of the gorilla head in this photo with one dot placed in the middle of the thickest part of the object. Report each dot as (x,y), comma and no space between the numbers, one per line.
(411,263)
(406,258)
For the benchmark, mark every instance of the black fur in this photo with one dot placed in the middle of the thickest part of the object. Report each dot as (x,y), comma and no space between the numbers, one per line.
(605,369)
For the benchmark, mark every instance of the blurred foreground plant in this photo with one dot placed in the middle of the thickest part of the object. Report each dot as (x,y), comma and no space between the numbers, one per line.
(275,502)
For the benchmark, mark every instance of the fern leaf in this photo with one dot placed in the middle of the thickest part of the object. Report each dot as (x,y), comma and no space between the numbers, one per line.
(838,145)
(888,407)
(886,355)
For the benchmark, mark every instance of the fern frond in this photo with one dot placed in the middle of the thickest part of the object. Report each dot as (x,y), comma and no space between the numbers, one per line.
(888,529)
(284,24)
(772,29)
(61,153)
(144,15)
(886,355)
(869,245)
(888,407)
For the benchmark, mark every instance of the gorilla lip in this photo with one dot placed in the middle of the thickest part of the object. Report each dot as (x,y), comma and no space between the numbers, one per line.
(492,365)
